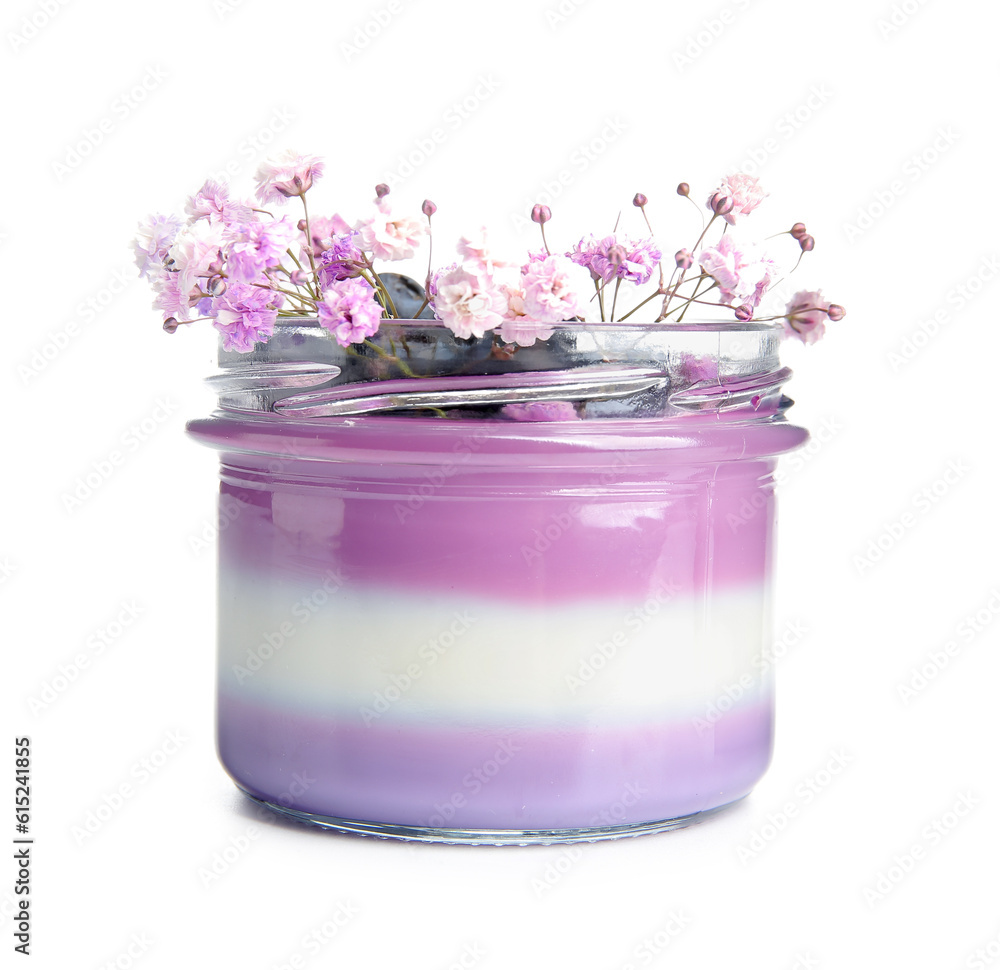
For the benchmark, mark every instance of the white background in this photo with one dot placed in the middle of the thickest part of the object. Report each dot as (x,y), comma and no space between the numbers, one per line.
(850,122)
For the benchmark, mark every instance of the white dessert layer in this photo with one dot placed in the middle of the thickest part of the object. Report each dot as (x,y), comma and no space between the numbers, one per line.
(380,655)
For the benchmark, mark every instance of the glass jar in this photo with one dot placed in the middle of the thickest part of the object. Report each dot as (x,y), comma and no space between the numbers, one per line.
(469,595)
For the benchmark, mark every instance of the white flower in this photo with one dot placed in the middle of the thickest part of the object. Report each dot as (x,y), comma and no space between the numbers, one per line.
(152,241)
(476,256)
(517,326)
(286,174)
(195,249)
(388,238)
(554,289)
(466,303)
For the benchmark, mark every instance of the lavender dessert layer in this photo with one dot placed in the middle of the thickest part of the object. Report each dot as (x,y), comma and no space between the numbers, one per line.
(400,600)
(471,777)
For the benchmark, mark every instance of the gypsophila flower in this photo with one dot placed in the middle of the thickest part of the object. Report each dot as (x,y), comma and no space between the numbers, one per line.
(390,238)
(197,251)
(235,263)
(341,260)
(554,289)
(476,255)
(323,229)
(244,314)
(745,193)
(617,257)
(212,202)
(286,174)
(806,316)
(259,246)
(742,269)
(468,304)
(349,311)
(170,298)
(517,327)
(152,242)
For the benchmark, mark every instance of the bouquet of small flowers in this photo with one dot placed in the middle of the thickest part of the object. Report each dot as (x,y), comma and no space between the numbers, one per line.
(236,263)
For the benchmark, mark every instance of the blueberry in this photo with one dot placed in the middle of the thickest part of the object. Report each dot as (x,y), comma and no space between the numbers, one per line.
(407,296)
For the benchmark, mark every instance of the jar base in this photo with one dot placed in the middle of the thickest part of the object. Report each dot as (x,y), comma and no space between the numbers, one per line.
(446,836)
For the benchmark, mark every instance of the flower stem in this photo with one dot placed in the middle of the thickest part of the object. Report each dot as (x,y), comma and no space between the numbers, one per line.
(694,299)
(652,296)
(652,235)
(403,366)
(309,248)
(375,281)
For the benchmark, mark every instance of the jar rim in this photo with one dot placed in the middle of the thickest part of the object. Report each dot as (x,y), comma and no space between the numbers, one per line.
(573,326)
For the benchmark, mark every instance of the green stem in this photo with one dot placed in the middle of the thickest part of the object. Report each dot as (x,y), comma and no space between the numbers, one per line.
(404,367)
(309,248)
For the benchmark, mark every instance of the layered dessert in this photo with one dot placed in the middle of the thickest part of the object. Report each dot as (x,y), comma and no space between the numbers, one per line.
(543,630)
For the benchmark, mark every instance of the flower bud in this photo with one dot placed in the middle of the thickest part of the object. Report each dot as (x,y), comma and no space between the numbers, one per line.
(540,214)
(744,312)
(617,255)
(381,190)
(807,243)
(298,277)
(170,324)
(640,200)
(683,189)
(683,258)
(798,230)
(301,225)
(720,203)
(428,208)
(216,286)
(836,312)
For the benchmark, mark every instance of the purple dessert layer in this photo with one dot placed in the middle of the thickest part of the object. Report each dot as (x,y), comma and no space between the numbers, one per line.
(681,540)
(493,778)
(544,512)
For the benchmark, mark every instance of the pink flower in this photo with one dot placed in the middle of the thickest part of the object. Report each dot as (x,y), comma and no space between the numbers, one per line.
(171,299)
(286,174)
(342,259)
(517,327)
(259,246)
(742,270)
(746,193)
(540,411)
(244,314)
(152,242)
(388,238)
(806,316)
(554,288)
(197,251)
(324,229)
(468,304)
(476,256)
(212,202)
(617,256)
(349,311)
